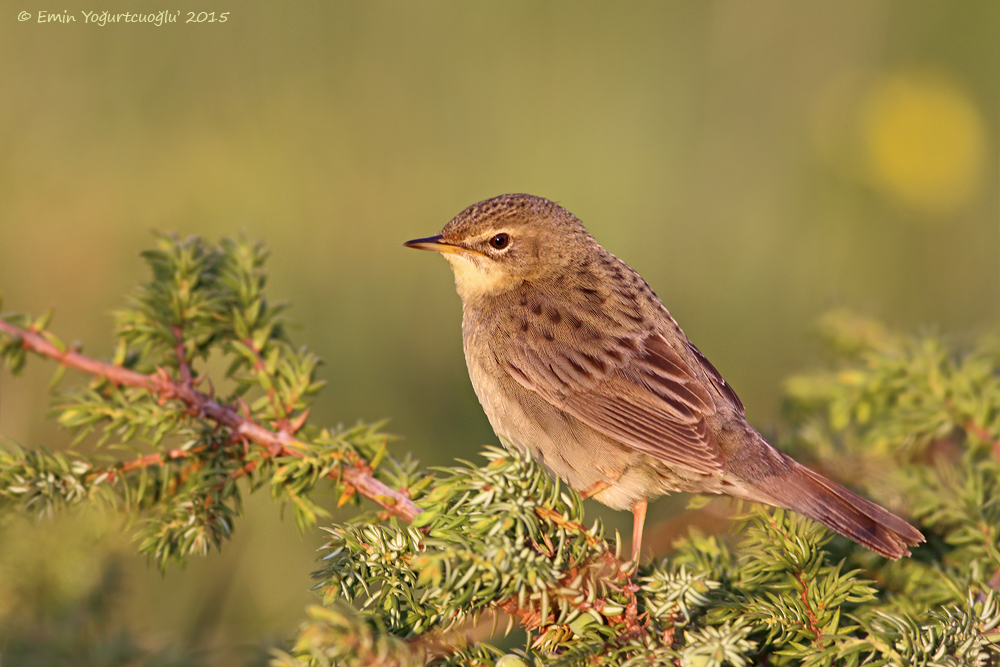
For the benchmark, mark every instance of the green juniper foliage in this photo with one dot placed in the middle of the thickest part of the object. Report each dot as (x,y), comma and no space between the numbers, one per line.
(908,421)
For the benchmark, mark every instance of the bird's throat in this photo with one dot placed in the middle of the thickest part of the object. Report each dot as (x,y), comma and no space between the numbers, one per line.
(478,277)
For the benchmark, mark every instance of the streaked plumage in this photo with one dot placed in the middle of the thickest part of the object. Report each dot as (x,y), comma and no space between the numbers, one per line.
(574,357)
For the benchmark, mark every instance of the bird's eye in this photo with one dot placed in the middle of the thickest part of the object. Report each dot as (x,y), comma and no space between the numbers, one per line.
(500,241)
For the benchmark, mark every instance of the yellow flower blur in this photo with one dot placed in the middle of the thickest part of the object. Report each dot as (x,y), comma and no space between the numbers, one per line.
(924,142)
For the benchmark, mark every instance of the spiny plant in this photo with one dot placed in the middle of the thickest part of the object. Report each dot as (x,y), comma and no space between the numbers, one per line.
(442,559)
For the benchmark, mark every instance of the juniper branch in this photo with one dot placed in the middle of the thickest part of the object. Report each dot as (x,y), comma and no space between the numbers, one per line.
(358,476)
(506,537)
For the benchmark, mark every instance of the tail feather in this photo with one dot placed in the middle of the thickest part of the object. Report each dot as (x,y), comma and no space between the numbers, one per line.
(847,513)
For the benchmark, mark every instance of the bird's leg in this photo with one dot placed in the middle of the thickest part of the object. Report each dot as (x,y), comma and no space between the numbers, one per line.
(594,489)
(639,517)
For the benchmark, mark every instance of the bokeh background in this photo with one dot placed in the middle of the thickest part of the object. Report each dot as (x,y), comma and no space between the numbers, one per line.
(758,162)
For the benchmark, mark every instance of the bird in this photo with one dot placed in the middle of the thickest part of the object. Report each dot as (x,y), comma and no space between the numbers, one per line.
(576,360)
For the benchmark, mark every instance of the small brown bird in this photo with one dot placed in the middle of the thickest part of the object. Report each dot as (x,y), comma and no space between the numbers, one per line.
(575,359)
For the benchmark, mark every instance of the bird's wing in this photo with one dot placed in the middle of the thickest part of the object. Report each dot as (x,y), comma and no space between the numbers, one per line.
(637,390)
(717,380)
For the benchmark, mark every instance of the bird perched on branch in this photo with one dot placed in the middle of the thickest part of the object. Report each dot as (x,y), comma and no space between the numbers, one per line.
(575,359)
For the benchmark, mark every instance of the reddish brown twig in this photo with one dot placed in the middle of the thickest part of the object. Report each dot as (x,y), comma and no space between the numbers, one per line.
(983,435)
(162,385)
(606,566)
(281,411)
(157,458)
(182,363)
(810,612)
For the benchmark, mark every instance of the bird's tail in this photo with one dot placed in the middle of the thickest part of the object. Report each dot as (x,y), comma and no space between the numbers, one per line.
(847,513)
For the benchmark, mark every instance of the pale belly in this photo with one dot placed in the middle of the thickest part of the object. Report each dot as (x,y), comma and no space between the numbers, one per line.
(590,462)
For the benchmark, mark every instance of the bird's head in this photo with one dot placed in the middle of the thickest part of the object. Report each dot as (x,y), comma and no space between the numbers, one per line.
(498,244)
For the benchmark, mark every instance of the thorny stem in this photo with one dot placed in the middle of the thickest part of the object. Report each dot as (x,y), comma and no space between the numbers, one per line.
(593,542)
(182,363)
(153,459)
(279,410)
(531,617)
(975,429)
(281,443)
(358,476)
(810,613)
(971,426)
(804,593)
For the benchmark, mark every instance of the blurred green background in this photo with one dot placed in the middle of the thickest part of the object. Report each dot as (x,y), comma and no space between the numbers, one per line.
(758,162)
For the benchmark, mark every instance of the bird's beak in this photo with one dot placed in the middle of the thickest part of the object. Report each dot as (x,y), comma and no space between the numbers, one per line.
(436,243)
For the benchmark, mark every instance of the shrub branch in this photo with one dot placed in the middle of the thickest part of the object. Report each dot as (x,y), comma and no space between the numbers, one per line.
(357,475)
